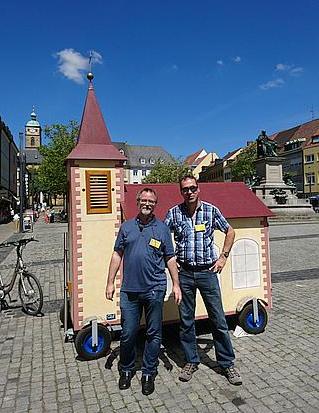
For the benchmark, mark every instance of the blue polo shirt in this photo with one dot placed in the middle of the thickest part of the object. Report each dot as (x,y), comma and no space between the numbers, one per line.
(144,248)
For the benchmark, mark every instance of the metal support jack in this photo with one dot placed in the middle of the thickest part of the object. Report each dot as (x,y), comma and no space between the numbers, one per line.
(255,310)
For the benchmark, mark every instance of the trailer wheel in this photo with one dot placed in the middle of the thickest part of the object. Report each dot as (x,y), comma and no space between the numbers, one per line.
(246,319)
(83,343)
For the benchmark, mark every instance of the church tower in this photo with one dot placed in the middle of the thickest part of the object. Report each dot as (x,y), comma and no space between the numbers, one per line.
(33,132)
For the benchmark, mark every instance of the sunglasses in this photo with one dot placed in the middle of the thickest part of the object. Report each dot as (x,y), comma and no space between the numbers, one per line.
(186,189)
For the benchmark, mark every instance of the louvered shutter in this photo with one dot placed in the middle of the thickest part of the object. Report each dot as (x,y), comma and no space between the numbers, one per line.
(98,192)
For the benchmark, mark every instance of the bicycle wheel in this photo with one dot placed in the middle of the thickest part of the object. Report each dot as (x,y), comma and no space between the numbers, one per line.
(30,293)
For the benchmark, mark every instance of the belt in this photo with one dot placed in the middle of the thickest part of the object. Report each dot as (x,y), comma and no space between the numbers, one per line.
(195,268)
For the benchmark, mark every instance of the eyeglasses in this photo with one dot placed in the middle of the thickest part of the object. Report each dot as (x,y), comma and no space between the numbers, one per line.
(192,189)
(147,201)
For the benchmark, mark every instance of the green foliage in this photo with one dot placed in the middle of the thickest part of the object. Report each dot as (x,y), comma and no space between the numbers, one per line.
(52,174)
(243,166)
(166,172)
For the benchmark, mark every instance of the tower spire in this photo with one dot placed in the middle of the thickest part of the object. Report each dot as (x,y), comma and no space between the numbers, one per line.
(94,141)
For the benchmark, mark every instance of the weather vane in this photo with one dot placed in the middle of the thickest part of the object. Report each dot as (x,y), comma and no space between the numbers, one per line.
(90,74)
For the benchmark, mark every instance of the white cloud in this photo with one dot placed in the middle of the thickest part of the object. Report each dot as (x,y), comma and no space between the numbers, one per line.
(281,67)
(272,84)
(296,71)
(289,69)
(73,65)
(220,62)
(237,59)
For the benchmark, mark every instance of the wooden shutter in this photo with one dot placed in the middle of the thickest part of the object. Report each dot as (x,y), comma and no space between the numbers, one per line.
(98,192)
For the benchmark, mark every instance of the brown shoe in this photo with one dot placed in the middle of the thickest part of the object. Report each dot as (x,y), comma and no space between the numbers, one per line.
(187,371)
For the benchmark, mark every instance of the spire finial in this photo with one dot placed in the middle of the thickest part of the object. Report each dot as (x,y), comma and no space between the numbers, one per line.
(90,75)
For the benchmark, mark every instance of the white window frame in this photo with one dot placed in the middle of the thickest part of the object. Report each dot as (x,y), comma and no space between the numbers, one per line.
(310,158)
(245,262)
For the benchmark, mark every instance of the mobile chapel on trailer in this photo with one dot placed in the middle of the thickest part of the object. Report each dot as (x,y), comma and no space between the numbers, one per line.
(99,201)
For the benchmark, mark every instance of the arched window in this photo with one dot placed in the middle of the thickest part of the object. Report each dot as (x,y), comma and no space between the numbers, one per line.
(245,259)
(32,141)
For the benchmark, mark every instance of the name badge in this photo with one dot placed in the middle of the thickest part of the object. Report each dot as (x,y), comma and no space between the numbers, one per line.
(155,243)
(200,227)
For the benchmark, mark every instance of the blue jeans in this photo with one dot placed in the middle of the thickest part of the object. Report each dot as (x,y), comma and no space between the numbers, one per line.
(132,305)
(208,286)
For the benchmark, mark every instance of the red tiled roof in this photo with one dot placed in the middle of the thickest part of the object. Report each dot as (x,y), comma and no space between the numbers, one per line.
(305,130)
(229,154)
(199,160)
(190,159)
(234,199)
(94,141)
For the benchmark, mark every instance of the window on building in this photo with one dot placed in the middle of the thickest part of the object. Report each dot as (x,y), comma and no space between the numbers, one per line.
(134,172)
(310,178)
(309,158)
(142,160)
(121,151)
(161,160)
(32,141)
(144,172)
(315,139)
(245,264)
(152,161)
(98,192)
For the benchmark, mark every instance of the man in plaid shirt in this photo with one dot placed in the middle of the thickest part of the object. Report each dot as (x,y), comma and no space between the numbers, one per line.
(193,223)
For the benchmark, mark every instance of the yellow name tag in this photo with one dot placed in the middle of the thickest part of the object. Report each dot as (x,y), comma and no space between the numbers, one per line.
(155,243)
(200,227)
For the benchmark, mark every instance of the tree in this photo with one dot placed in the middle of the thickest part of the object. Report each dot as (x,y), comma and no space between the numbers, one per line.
(166,172)
(52,173)
(243,166)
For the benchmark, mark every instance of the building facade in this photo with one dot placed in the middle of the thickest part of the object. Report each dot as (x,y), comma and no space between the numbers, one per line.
(311,166)
(292,144)
(220,170)
(8,172)
(140,160)
(200,160)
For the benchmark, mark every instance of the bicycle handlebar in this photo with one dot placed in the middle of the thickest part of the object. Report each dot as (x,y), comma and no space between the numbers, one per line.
(20,242)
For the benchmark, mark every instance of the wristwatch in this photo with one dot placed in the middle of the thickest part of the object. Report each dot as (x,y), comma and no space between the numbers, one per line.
(225,254)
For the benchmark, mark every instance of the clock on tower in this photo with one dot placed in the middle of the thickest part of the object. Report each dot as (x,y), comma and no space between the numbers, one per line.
(33,132)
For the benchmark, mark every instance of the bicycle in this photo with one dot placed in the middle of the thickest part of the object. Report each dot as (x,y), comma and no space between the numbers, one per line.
(29,287)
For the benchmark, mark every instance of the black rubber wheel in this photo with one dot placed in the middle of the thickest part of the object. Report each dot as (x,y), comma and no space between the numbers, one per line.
(246,319)
(83,343)
(30,293)
(61,315)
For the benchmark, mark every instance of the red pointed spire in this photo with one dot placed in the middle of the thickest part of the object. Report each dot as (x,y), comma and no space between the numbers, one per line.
(94,141)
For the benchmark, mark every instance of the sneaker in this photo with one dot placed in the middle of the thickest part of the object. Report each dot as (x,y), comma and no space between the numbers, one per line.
(148,385)
(125,380)
(232,375)
(187,371)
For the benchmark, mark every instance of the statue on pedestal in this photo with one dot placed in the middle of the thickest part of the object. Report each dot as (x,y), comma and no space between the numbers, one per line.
(265,146)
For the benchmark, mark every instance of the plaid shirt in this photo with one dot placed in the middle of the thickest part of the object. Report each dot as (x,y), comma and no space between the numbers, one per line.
(194,236)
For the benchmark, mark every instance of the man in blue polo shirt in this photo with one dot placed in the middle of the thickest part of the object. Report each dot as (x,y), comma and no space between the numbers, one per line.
(145,244)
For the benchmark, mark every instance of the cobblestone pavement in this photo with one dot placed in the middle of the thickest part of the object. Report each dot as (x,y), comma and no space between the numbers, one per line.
(280,368)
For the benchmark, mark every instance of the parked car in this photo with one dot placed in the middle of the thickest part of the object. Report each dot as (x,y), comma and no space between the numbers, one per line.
(314,200)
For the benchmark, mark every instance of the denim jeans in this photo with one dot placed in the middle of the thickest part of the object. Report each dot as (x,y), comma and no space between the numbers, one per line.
(208,286)
(132,305)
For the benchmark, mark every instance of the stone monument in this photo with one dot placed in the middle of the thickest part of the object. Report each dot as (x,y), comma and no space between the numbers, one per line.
(269,185)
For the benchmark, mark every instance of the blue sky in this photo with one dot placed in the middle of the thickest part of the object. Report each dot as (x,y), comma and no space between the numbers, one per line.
(181,74)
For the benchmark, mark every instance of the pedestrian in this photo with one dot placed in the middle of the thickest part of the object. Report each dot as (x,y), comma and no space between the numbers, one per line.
(16,220)
(145,245)
(11,213)
(193,223)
